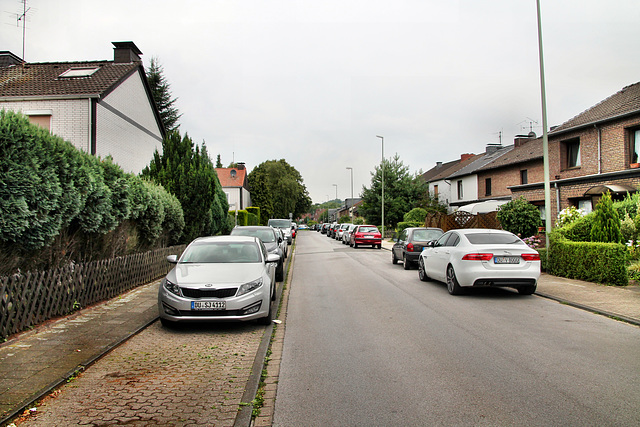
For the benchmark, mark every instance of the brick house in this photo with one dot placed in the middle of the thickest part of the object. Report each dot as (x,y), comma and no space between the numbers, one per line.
(594,152)
(235,185)
(101,107)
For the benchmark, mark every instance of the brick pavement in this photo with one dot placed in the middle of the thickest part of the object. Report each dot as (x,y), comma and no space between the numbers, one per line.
(187,376)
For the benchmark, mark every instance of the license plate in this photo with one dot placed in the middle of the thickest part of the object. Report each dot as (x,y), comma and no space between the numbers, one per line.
(506,260)
(208,305)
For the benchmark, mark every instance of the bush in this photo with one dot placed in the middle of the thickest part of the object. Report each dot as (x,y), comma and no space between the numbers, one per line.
(569,215)
(591,261)
(255,210)
(519,217)
(415,215)
(578,231)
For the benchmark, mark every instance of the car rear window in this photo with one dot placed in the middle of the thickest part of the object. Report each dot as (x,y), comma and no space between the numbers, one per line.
(266,235)
(368,230)
(493,238)
(426,235)
(281,223)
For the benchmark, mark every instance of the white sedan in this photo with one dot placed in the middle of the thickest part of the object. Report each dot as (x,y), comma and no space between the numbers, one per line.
(476,257)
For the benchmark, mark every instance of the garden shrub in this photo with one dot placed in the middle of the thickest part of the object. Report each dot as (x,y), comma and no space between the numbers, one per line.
(519,217)
(606,223)
(578,231)
(255,210)
(415,215)
(591,261)
(408,224)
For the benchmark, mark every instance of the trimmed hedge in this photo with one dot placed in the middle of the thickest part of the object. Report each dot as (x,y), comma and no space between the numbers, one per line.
(255,210)
(589,261)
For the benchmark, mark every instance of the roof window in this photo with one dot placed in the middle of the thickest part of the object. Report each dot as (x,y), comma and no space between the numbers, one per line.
(78,72)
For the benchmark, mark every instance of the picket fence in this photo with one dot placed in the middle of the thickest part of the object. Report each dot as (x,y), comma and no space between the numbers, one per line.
(28,299)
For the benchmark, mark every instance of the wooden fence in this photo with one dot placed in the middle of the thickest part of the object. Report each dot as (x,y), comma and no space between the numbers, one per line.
(460,219)
(31,298)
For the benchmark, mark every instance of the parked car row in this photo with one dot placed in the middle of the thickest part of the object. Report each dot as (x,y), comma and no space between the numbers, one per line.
(353,235)
(226,278)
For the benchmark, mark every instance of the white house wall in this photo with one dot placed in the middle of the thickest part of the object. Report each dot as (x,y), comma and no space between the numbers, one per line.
(126,126)
(444,192)
(469,189)
(233,197)
(70,118)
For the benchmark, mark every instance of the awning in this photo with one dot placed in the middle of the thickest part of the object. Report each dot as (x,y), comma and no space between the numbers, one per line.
(614,188)
(482,207)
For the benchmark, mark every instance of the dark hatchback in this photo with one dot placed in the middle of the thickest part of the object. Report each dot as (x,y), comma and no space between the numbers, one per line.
(410,242)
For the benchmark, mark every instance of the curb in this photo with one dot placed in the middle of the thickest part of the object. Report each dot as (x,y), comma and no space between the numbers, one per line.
(244,418)
(605,313)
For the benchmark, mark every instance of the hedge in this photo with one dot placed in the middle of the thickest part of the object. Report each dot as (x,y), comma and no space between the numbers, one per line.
(590,261)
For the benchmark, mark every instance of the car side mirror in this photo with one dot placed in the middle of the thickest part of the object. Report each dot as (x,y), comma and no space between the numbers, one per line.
(173,259)
(273,258)
(432,244)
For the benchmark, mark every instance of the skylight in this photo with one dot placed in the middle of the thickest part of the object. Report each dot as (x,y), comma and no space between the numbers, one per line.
(79,72)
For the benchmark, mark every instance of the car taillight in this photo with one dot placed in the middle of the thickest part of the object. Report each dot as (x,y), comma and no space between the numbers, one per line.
(477,257)
(531,257)
(410,247)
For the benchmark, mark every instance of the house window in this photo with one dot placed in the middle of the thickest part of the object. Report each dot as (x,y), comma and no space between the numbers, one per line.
(524,179)
(572,153)
(460,189)
(487,187)
(634,146)
(78,72)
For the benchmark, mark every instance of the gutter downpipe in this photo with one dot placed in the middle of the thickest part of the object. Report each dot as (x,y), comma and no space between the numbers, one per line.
(555,184)
(599,148)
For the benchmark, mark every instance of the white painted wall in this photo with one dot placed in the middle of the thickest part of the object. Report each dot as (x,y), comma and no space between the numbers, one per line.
(70,118)
(131,147)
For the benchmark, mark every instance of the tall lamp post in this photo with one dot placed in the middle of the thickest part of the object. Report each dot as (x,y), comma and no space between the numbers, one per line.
(336,185)
(351,213)
(382,138)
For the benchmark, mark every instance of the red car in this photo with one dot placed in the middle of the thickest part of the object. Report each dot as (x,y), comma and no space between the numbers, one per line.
(366,235)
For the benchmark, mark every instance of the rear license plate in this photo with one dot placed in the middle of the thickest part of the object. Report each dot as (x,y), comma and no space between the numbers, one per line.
(506,260)
(208,305)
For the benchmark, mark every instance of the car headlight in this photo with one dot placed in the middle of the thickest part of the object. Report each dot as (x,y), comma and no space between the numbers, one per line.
(171,287)
(249,287)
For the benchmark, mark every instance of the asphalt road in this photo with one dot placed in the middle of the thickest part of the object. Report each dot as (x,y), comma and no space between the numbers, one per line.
(368,343)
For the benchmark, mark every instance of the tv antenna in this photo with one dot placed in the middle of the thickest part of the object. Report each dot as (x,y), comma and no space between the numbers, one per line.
(530,121)
(23,18)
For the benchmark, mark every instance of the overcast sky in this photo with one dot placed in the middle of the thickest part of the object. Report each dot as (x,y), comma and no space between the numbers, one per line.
(315,82)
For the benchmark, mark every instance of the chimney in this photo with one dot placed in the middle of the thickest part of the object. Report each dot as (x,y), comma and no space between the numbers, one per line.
(521,139)
(240,165)
(438,165)
(466,156)
(126,52)
(492,148)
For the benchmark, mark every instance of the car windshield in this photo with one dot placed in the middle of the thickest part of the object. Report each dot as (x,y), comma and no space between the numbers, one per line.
(426,235)
(266,235)
(493,238)
(221,252)
(281,223)
(368,230)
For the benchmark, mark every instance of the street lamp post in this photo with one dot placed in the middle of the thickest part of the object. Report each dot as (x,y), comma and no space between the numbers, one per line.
(336,185)
(350,210)
(382,138)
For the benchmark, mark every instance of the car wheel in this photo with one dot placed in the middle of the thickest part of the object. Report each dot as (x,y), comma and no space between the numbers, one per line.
(406,263)
(266,320)
(452,282)
(394,260)
(380,246)
(355,246)
(422,274)
(280,272)
(527,290)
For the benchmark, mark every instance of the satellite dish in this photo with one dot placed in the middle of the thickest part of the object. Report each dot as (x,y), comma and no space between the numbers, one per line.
(233,173)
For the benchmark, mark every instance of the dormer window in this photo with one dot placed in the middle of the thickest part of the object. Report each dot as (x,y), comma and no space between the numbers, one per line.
(78,72)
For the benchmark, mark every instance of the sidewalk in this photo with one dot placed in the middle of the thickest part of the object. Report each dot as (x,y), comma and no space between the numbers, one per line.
(34,363)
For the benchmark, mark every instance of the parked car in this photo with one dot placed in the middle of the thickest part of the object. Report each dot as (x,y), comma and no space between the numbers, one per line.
(284,245)
(366,235)
(332,230)
(324,229)
(272,239)
(410,242)
(480,257)
(340,230)
(346,235)
(219,278)
(284,225)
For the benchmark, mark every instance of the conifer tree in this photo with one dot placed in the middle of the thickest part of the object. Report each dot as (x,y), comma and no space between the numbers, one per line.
(160,89)
(606,223)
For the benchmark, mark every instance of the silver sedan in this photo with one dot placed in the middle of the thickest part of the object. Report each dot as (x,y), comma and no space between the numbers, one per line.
(221,278)
(478,258)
